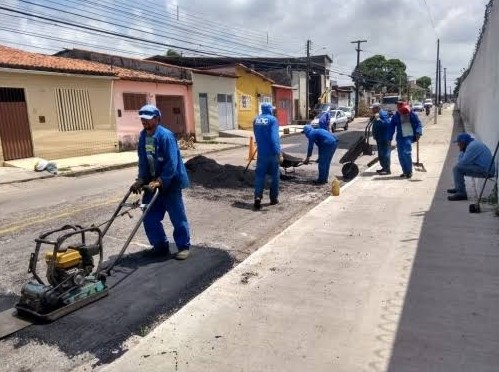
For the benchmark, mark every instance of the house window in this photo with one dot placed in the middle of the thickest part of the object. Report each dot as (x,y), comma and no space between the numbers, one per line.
(245,103)
(133,101)
(73,110)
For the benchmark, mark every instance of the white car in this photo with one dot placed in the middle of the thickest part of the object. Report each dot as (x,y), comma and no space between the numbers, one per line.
(417,107)
(338,120)
(349,112)
(428,102)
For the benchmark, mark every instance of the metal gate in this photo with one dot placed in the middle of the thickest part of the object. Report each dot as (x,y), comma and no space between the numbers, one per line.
(15,132)
(203,112)
(172,113)
(225,112)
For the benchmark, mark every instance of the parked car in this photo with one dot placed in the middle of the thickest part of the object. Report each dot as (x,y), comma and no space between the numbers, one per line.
(349,112)
(320,108)
(338,120)
(417,107)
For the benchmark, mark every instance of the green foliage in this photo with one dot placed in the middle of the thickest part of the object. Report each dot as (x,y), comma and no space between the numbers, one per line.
(378,73)
(424,82)
(172,53)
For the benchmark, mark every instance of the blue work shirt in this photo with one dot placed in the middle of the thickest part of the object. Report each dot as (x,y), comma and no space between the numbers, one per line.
(382,130)
(406,125)
(320,137)
(266,130)
(476,154)
(159,157)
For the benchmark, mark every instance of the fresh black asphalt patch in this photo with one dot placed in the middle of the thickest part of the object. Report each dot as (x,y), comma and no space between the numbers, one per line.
(142,289)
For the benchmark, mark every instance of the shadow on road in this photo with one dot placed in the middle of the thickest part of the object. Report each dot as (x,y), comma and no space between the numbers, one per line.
(449,319)
(142,290)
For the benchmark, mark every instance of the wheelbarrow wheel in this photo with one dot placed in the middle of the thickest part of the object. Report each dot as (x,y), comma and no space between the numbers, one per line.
(349,171)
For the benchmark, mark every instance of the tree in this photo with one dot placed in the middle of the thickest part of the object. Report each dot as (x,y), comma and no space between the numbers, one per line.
(424,82)
(376,73)
(172,53)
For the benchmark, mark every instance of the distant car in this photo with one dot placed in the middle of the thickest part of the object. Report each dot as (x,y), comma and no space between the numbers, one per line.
(417,106)
(338,120)
(321,107)
(349,112)
(428,102)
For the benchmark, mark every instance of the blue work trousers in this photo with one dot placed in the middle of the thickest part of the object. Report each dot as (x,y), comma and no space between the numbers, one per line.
(404,149)
(170,201)
(459,171)
(384,153)
(267,164)
(326,152)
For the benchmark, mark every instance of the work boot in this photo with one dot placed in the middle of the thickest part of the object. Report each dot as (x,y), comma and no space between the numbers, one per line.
(319,182)
(457,197)
(384,172)
(451,191)
(274,201)
(257,205)
(159,251)
(379,170)
(182,255)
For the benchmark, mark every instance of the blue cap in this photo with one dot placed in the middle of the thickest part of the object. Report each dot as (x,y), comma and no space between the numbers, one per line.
(149,112)
(463,137)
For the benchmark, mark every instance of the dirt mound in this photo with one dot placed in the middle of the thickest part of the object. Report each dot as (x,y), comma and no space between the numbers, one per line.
(208,173)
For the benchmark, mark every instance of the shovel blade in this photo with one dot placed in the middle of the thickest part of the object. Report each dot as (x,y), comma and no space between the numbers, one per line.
(419,167)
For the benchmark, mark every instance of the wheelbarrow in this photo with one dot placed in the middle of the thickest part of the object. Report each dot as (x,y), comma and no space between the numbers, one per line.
(350,170)
(290,162)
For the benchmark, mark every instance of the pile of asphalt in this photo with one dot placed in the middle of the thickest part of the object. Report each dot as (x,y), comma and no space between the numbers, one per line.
(208,173)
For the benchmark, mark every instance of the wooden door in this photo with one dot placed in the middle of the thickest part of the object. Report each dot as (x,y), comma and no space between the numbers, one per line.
(15,132)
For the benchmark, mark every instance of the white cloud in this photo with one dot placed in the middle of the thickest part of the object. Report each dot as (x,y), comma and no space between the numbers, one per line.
(397,29)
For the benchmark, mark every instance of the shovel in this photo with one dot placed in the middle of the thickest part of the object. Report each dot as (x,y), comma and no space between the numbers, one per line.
(419,167)
(249,162)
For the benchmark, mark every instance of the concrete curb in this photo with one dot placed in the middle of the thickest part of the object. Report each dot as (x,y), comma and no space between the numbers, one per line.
(98,169)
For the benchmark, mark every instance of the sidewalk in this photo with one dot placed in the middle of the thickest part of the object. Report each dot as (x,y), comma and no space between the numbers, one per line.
(22,170)
(387,276)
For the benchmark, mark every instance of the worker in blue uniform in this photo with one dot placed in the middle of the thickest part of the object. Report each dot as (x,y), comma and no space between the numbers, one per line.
(382,134)
(326,144)
(266,130)
(409,130)
(161,167)
(474,160)
(324,120)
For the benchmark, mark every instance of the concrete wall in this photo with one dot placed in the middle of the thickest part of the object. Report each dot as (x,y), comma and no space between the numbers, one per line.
(298,81)
(212,85)
(48,141)
(478,98)
(129,125)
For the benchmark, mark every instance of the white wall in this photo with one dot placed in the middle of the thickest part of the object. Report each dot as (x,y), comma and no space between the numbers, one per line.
(478,98)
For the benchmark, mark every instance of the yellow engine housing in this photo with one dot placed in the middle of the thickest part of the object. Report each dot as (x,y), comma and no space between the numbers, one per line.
(64,260)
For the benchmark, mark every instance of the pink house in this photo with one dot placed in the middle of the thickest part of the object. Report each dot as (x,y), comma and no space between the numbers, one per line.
(173,97)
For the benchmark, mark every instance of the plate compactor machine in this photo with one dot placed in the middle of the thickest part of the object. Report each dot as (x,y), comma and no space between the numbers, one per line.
(75,274)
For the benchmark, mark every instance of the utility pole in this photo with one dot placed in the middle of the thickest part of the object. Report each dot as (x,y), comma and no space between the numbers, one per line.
(307,99)
(436,82)
(439,87)
(445,84)
(358,42)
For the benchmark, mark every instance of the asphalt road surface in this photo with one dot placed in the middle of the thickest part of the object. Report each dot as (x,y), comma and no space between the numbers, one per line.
(144,292)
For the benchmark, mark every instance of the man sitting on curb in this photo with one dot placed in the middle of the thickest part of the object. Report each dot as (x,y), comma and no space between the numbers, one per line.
(474,160)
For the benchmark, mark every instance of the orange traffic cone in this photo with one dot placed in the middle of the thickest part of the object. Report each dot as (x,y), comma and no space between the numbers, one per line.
(252,149)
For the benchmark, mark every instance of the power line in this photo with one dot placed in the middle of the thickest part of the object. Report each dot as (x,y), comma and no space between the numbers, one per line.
(431,18)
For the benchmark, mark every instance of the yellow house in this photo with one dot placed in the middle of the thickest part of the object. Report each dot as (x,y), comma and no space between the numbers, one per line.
(252,89)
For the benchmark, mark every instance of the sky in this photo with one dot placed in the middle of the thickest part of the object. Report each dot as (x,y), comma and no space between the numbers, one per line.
(403,29)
